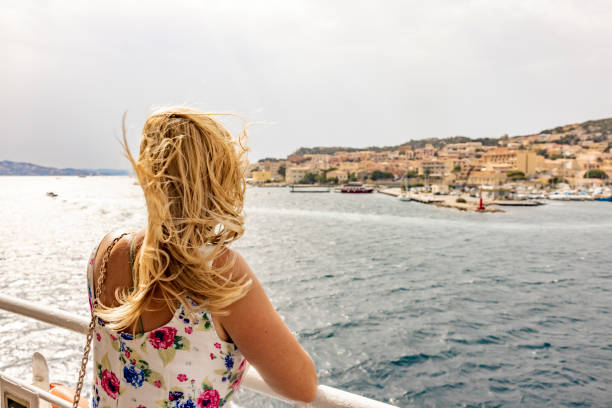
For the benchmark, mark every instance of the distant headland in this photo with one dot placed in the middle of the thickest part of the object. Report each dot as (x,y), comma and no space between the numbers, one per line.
(11,168)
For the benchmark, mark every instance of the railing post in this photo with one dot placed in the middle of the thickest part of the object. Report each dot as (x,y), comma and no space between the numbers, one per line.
(40,376)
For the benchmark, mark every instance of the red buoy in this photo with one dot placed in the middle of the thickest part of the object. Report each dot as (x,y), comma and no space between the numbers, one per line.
(481,207)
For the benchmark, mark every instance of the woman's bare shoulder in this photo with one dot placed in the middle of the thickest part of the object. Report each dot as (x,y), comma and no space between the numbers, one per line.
(240,267)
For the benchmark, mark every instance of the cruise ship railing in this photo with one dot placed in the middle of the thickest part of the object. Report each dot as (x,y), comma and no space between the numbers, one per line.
(326,397)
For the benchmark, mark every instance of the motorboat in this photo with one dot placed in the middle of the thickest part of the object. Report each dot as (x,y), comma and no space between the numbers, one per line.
(356,188)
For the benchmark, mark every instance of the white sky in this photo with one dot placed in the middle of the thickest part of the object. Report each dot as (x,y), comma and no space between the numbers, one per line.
(350,73)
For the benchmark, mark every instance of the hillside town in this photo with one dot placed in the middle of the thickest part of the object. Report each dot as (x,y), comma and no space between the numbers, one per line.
(578,156)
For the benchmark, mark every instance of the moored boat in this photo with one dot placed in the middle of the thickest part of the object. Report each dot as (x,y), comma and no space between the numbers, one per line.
(601,197)
(356,188)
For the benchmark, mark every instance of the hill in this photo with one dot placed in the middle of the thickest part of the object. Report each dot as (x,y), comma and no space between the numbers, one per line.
(11,168)
(596,130)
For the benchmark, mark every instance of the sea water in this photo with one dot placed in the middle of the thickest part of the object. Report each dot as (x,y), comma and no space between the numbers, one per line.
(406,303)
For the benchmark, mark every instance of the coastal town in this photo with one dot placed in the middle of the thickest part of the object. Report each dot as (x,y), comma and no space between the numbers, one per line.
(566,162)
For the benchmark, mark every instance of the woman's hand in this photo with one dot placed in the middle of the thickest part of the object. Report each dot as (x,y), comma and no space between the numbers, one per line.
(263,338)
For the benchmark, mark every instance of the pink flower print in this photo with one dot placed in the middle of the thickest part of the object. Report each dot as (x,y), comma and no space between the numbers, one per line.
(113,337)
(91,261)
(181,377)
(127,354)
(162,338)
(133,361)
(98,336)
(242,364)
(157,383)
(218,345)
(188,329)
(208,399)
(110,384)
(212,356)
(141,406)
(236,383)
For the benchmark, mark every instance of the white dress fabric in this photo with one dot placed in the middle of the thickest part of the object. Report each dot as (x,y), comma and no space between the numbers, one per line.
(183,364)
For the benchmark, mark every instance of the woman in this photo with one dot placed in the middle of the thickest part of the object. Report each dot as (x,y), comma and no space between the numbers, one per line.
(179,313)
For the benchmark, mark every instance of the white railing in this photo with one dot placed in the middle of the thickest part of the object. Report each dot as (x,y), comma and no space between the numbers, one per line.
(326,397)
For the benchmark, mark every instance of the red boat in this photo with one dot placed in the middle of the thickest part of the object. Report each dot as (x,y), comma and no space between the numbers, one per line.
(355,188)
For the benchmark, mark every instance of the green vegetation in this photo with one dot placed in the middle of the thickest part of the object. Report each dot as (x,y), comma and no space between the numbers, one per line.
(569,139)
(270,159)
(461,200)
(556,180)
(457,169)
(352,177)
(412,174)
(516,175)
(596,174)
(309,178)
(282,170)
(381,175)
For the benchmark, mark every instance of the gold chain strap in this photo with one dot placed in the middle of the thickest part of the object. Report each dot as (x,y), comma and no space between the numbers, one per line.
(92,323)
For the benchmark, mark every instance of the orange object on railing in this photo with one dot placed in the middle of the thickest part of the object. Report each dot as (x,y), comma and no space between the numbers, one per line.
(65,393)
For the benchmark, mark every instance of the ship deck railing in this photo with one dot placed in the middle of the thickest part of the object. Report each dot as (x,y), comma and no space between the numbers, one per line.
(326,397)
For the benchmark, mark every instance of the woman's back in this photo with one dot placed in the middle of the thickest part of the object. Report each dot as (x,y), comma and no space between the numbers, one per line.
(191,172)
(183,363)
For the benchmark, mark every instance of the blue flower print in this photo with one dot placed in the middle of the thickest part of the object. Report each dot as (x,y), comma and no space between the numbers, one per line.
(95,399)
(188,404)
(126,336)
(133,375)
(229,361)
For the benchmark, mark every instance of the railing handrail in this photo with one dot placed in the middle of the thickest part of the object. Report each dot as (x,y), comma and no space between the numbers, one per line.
(326,397)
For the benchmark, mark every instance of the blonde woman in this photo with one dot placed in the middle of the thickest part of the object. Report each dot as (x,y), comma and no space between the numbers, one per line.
(180,315)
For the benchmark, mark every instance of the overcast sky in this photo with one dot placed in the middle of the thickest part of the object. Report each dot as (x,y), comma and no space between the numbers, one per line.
(350,73)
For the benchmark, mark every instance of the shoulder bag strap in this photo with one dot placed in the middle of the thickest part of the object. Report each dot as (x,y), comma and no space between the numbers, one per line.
(92,323)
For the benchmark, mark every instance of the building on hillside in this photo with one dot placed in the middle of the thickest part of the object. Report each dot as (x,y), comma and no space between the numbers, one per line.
(432,168)
(273,167)
(340,174)
(319,161)
(527,161)
(261,176)
(500,155)
(294,175)
(486,178)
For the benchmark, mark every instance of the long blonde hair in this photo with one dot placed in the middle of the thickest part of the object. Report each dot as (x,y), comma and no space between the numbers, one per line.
(191,171)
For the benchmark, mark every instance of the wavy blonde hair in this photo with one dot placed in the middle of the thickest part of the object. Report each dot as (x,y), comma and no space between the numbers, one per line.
(191,171)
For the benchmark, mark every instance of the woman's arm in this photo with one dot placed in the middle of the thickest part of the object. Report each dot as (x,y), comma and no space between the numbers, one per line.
(261,335)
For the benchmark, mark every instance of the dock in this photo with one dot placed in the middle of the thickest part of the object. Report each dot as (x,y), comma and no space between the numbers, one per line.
(305,188)
(446,201)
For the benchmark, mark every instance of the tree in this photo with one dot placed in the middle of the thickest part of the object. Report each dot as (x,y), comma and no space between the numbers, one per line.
(352,177)
(516,175)
(381,175)
(457,169)
(282,170)
(596,174)
(309,178)
(412,174)
(553,181)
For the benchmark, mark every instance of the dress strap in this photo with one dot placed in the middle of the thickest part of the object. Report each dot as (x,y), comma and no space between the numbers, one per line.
(133,280)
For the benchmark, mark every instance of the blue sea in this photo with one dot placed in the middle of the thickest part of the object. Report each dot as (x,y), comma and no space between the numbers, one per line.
(402,302)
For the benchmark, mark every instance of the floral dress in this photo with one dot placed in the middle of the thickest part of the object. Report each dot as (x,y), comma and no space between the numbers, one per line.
(183,364)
